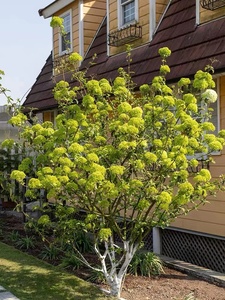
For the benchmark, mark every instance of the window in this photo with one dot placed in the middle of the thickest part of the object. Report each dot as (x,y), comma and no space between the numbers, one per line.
(212,108)
(215,119)
(48,116)
(128,11)
(215,115)
(66,38)
(208,10)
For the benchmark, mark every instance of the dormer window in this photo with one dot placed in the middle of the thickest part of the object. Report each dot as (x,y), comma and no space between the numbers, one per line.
(66,38)
(128,11)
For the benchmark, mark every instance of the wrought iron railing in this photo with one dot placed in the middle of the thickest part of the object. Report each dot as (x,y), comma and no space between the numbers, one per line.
(125,35)
(212,4)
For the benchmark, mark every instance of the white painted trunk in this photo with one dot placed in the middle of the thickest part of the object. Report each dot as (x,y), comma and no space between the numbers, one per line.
(115,287)
(113,275)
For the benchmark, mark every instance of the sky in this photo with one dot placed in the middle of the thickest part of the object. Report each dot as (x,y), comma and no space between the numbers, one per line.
(26,42)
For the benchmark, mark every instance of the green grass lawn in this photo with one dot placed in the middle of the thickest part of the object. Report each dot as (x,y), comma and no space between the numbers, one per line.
(29,278)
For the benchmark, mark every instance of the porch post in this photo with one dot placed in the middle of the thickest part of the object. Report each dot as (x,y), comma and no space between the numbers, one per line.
(157,240)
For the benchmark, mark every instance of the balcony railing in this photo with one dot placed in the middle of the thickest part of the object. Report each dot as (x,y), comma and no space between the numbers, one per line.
(125,35)
(212,4)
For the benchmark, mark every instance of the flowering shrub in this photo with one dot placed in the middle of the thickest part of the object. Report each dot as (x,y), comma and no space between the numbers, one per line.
(209,95)
(121,156)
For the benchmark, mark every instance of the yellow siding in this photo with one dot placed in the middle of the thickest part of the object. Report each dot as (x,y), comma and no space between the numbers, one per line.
(208,15)
(75,29)
(222,104)
(112,8)
(113,16)
(160,8)
(210,218)
(143,20)
(94,12)
(207,227)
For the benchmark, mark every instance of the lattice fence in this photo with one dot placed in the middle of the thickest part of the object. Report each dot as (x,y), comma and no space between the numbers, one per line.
(208,252)
(148,242)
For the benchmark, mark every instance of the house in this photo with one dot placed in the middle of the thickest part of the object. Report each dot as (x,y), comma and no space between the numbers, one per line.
(195,32)
(7,131)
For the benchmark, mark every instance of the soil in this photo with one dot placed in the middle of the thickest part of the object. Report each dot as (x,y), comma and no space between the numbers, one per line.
(173,285)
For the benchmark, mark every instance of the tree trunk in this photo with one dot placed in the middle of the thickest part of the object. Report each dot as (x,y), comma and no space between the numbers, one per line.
(115,277)
(116,287)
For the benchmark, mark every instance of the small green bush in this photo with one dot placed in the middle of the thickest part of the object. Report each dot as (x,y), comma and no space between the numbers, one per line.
(14,236)
(82,242)
(145,264)
(96,277)
(71,261)
(26,242)
(50,252)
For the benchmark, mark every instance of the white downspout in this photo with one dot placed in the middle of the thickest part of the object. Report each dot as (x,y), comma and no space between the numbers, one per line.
(152,16)
(53,52)
(197,12)
(107,26)
(81,28)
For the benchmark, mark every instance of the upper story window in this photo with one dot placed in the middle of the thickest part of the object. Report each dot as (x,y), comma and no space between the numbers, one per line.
(212,4)
(128,11)
(209,10)
(66,38)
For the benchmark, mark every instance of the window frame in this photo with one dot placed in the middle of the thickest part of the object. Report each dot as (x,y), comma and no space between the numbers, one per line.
(215,115)
(69,50)
(217,81)
(121,21)
(215,118)
(215,105)
(52,114)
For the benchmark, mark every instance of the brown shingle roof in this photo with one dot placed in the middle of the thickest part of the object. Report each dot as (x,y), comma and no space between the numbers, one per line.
(40,95)
(193,47)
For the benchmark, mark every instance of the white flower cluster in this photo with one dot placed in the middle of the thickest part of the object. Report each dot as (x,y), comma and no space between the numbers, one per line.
(209,95)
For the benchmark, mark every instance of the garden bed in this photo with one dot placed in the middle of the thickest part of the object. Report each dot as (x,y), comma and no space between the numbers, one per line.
(173,285)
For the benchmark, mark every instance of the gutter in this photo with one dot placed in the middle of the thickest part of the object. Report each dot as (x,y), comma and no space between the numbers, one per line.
(53,7)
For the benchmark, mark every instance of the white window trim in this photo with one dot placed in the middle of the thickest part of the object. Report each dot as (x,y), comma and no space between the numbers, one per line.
(152,21)
(107,27)
(71,32)
(120,15)
(197,5)
(218,102)
(81,28)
